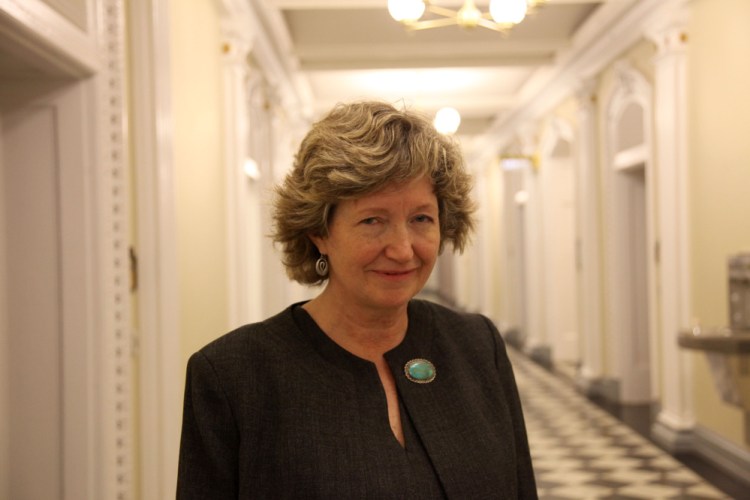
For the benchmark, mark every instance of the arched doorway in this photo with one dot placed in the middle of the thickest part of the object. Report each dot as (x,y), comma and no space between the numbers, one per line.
(630,237)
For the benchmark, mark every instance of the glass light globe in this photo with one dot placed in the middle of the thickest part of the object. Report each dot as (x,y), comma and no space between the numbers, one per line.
(447,121)
(508,11)
(406,11)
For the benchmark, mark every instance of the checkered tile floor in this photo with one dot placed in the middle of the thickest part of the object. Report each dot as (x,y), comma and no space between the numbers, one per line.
(582,452)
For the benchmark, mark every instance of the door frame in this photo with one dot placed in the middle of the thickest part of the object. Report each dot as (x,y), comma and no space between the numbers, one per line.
(631,87)
(161,378)
(89,55)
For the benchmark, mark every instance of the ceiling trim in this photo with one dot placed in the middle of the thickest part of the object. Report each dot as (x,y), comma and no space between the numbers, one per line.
(370,4)
(429,55)
(612,30)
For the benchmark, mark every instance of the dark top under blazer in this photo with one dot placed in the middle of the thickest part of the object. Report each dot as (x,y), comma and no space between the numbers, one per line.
(278,410)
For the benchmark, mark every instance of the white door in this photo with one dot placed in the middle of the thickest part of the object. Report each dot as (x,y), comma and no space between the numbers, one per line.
(636,382)
(45,357)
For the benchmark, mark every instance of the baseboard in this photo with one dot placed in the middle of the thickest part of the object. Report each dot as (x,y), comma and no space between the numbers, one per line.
(607,389)
(725,455)
(673,440)
(541,354)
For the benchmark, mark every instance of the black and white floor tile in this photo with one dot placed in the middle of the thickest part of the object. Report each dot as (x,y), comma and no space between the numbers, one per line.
(582,452)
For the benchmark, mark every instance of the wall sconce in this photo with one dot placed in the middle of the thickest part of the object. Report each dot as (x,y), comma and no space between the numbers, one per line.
(251,169)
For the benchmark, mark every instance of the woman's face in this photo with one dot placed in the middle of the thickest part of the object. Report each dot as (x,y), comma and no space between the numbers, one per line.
(382,247)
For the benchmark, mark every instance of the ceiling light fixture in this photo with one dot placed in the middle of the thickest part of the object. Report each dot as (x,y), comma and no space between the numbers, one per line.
(447,121)
(502,15)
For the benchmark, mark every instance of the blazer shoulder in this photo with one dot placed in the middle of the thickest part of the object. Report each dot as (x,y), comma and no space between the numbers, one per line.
(270,334)
(463,330)
(443,316)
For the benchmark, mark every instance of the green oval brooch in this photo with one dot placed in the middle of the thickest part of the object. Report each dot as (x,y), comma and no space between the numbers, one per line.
(420,371)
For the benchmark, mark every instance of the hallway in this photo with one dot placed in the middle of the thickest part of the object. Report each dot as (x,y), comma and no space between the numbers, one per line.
(580,451)
(141,143)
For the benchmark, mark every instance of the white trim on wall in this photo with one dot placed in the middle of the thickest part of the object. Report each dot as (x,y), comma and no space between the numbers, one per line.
(627,344)
(730,457)
(243,256)
(158,325)
(613,28)
(57,43)
(112,213)
(676,416)
(93,61)
(261,86)
(589,255)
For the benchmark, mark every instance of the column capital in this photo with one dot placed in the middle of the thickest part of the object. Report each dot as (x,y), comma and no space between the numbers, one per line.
(236,49)
(669,31)
(585,93)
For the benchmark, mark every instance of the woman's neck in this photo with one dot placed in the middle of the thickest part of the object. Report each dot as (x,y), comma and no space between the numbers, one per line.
(364,332)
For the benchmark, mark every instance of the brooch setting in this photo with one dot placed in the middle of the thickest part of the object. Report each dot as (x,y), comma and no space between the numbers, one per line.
(420,371)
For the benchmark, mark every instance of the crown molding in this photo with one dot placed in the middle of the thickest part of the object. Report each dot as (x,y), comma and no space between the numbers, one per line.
(38,32)
(261,28)
(614,28)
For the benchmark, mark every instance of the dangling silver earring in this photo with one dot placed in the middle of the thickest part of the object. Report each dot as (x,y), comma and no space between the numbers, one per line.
(321,266)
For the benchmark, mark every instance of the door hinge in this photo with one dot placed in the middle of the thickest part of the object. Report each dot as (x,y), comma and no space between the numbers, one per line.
(133,269)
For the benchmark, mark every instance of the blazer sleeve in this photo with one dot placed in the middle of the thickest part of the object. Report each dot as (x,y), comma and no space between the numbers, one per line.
(208,462)
(525,472)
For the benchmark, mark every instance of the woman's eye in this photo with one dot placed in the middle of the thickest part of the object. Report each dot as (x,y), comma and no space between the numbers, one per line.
(369,221)
(423,218)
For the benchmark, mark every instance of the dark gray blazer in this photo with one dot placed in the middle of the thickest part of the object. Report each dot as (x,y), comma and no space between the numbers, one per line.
(277,410)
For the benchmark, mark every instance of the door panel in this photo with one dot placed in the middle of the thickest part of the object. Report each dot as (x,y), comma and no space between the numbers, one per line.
(46,356)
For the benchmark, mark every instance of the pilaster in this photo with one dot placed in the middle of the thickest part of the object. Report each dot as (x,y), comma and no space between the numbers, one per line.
(675,419)
(244,304)
(589,265)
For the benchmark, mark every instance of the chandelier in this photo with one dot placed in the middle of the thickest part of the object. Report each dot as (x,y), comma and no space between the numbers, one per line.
(502,15)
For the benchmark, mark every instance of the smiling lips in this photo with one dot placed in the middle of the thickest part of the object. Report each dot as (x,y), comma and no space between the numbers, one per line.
(395,274)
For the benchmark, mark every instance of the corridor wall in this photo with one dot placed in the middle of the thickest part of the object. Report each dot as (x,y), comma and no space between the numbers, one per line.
(199,177)
(719,113)
(698,151)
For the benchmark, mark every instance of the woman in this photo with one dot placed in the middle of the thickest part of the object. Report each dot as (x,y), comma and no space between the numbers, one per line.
(362,392)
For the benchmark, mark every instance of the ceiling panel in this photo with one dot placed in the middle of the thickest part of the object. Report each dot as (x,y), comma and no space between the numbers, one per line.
(352,49)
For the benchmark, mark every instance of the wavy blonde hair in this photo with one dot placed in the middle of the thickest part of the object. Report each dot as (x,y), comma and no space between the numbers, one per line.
(358,149)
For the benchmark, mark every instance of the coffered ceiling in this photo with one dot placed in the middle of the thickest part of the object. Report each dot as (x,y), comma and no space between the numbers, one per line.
(353,49)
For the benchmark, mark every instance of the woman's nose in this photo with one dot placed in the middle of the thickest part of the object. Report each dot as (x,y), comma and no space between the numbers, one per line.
(399,246)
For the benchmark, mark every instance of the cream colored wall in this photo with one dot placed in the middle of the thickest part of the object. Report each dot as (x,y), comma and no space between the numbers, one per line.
(719,79)
(199,177)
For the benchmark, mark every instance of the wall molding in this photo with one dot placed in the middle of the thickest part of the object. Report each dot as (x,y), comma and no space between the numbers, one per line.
(45,36)
(724,454)
(92,60)
(630,89)
(588,210)
(614,28)
(112,213)
(668,32)
(157,332)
